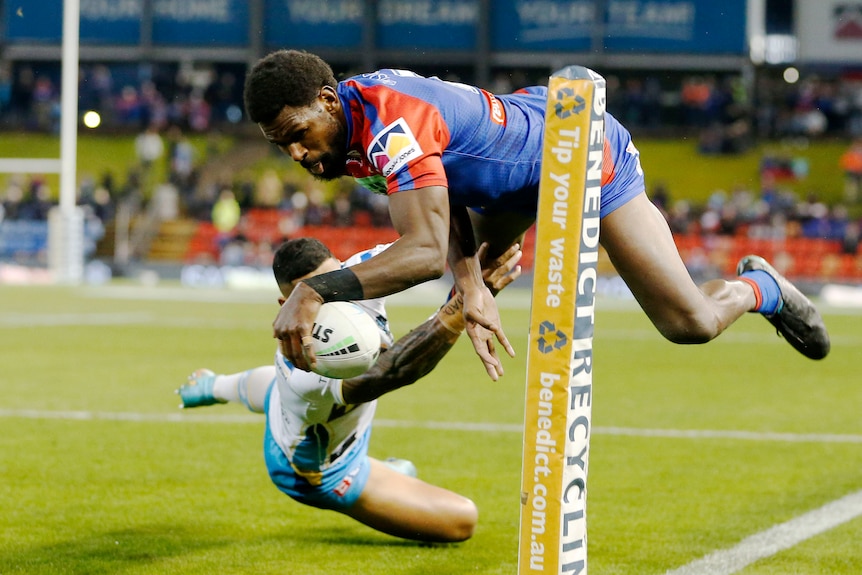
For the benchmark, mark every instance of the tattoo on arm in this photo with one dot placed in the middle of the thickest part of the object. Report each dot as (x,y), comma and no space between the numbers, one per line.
(412,357)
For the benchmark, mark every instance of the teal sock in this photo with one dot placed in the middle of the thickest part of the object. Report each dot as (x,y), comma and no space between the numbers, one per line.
(770,293)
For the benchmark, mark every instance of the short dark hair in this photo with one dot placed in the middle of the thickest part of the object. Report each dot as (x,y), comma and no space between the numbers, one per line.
(298,257)
(284,78)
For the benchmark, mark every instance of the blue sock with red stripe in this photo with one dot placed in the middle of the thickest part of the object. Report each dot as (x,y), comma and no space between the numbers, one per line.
(766,291)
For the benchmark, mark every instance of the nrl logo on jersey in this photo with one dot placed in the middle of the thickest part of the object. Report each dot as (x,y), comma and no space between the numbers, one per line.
(393,147)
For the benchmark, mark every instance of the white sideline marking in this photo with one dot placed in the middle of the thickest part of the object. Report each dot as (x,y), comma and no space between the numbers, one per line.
(775,539)
(195,416)
(731,434)
(27,320)
(178,417)
(57,319)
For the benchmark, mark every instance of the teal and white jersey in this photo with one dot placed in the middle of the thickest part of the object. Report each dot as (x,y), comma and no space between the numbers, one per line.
(309,421)
(307,415)
(374,307)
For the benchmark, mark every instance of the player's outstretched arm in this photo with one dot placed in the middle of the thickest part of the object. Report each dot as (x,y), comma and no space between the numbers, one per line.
(480,310)
(410,358)
(414,355)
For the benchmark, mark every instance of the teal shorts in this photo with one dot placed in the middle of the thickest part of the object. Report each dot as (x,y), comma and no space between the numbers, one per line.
(341,483)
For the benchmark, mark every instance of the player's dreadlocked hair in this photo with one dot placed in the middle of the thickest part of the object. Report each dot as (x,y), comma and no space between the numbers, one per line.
(284,78)
(298,257)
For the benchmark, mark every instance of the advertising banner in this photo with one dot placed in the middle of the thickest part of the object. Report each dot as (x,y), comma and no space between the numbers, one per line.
(542,25)
(676,26)
(311,24)
(830,31)
(102,21)
(200,23)
(427,24)
(664,26)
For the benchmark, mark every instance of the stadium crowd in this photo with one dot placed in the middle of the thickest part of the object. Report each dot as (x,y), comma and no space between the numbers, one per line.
(728,111)
(771,212)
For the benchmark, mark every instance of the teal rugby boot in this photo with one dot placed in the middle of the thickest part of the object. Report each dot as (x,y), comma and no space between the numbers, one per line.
(198,392)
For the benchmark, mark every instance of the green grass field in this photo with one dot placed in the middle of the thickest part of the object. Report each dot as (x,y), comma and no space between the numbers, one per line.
(100,473)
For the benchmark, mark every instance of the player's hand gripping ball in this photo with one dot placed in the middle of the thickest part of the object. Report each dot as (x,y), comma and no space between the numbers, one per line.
(346,340)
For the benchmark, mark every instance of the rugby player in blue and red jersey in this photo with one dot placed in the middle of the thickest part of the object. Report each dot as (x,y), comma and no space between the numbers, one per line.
(461,166)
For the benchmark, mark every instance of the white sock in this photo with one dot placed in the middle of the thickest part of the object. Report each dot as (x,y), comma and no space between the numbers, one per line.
(247,387)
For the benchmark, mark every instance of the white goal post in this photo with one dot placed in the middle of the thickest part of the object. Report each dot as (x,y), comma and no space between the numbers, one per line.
(66,221)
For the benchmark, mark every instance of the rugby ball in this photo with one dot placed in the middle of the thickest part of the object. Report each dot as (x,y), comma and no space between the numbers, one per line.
(346,340)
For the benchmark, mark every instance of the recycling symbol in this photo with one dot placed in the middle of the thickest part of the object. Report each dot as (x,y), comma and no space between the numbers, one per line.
(550,338)
(576,104)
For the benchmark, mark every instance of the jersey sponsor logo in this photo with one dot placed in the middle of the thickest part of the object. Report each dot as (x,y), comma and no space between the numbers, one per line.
(498,112)
(393,148)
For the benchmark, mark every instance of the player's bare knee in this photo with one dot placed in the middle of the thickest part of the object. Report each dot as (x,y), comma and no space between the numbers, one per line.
(689,328)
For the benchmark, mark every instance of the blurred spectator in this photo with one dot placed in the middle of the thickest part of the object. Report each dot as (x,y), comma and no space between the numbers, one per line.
(853,95)
(181,158)
(270,190)
(153,107)
(851,164)
(680,217)
(233,251)
(46,104)
(342,215)
(127,107)
(299,204)
(694,96)
(379,205)
(817,223)
(102,204)
(317,213)
(101,86)
(5,89)
(243,187)
(21,102)
(164,203)
(149,148)
(226,212)
(12,198)
(199,112)
(108,183)
(37,202)
(660,196)
(224,94)
(851,237)
(808,118)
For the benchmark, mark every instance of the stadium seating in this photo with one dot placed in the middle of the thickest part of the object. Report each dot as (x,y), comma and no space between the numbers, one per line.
(813,259)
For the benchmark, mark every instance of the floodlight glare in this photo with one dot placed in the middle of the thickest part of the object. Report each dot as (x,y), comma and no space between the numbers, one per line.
(791,75)
(92,119)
